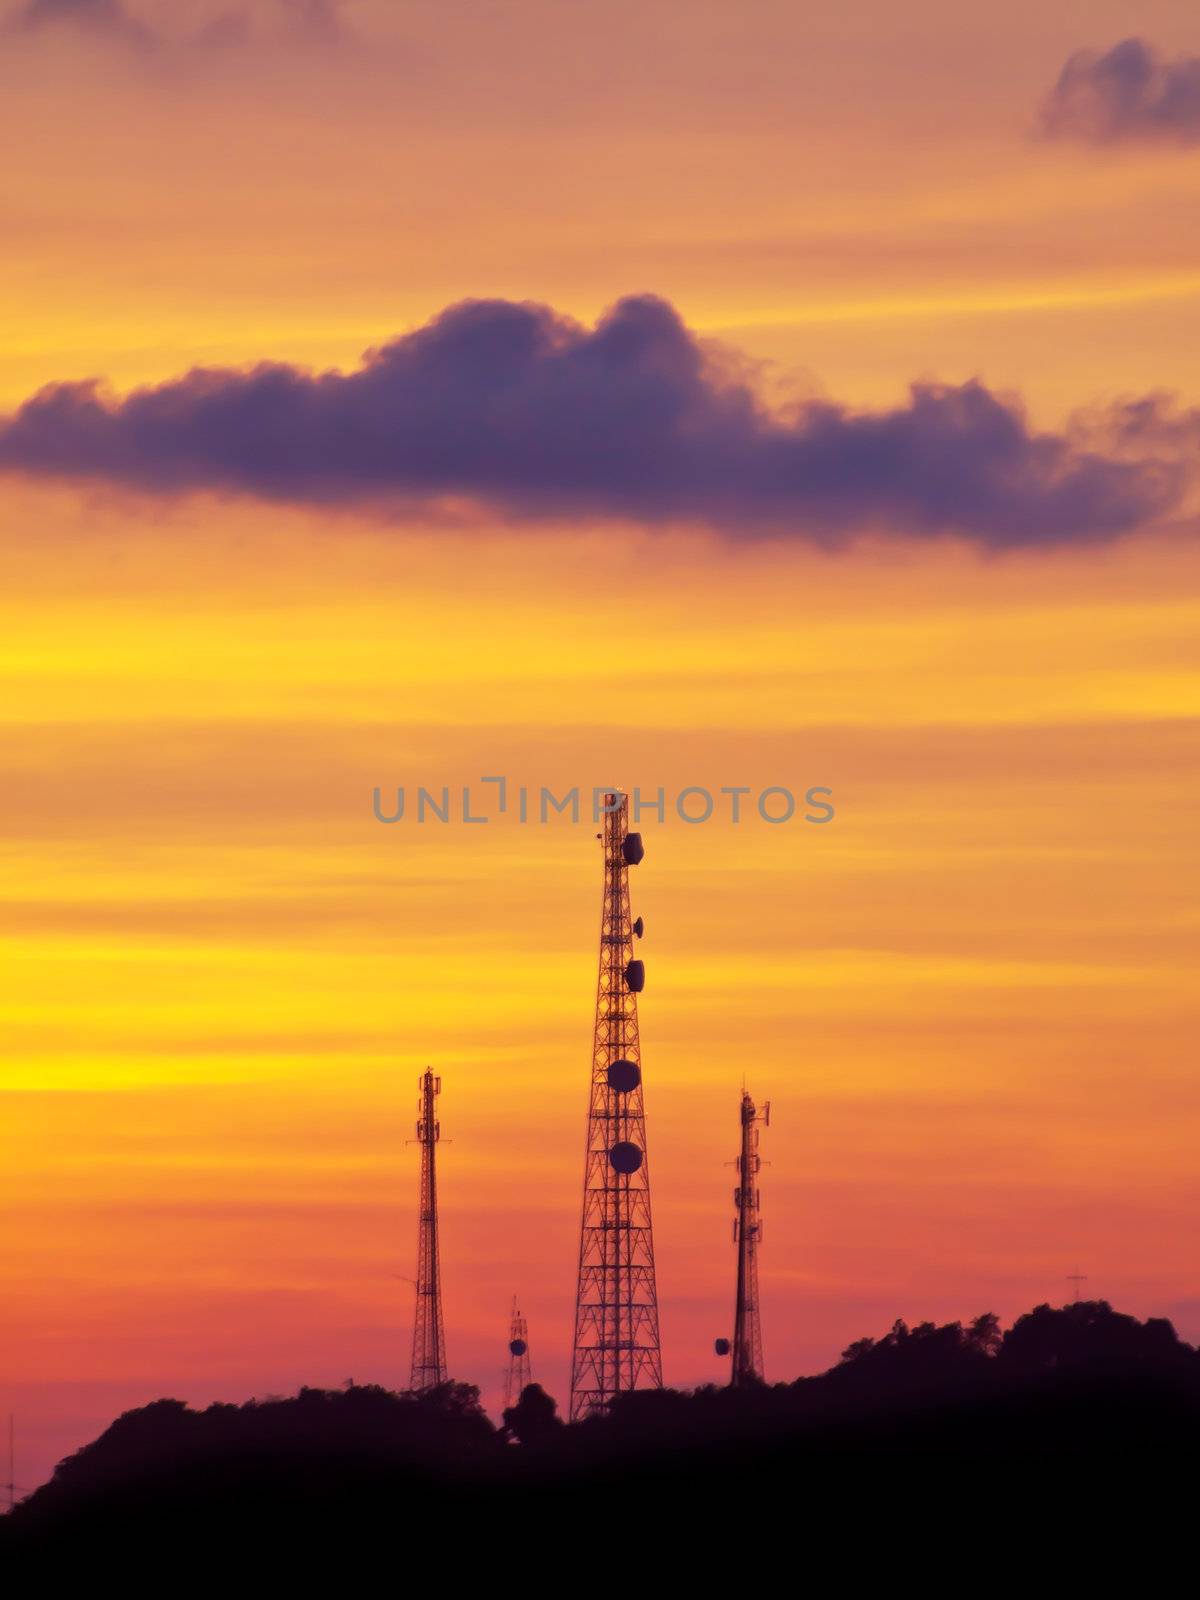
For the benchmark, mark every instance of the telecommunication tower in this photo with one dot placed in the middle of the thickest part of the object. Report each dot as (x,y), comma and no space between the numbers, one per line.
(520,1374)
(429,1336)
(616,1304)
(747,1235)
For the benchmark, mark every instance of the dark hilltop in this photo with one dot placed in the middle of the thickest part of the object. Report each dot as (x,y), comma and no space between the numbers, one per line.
(924,1415)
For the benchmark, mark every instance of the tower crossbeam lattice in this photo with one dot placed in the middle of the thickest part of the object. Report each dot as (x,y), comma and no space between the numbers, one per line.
(616,1346)
(429,1335)
(520,1372)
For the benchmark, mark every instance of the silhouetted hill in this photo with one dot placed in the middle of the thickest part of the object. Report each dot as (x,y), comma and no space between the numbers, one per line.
(1068,1396)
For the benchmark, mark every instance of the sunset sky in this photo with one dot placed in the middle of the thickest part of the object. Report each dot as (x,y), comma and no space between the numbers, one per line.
(826,415)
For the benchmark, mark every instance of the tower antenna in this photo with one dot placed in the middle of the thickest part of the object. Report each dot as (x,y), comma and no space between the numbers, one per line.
(520,1374)
(429,1335)
(616,1345)
(747,1366)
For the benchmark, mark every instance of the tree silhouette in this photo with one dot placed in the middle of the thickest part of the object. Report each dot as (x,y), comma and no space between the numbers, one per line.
(534,1418)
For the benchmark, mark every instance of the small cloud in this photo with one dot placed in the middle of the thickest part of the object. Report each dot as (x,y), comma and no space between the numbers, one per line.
(106,18)
(262,22)
(1128,94)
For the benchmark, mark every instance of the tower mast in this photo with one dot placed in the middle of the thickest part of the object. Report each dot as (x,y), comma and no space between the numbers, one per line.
(747,1234)
(520,1374)
(616,1305)
(429,1337)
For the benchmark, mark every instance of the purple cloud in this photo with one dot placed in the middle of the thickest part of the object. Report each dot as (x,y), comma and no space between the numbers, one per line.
(530,415)
(105,17)
(1130,93)
(314,21)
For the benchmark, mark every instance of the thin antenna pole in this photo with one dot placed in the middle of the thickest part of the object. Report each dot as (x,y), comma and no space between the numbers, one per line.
(747,1366)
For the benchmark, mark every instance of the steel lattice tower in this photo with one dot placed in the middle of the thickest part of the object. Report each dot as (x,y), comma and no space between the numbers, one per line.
(429,1337)
(747,1234)
(520,1374)
(616,1305)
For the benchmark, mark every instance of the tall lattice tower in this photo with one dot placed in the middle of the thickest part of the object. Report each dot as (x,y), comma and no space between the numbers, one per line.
(429,1335)
(520,1373)
(616,1303)
(747,1235)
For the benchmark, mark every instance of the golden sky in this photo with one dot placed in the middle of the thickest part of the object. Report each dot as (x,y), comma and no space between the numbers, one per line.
(970,998)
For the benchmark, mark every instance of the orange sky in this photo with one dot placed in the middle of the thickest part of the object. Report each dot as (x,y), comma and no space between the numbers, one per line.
(970,998)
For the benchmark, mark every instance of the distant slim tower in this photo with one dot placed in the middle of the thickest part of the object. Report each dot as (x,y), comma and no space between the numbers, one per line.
(429,1338)
(747,1234)
(520,1374)
(616,1304)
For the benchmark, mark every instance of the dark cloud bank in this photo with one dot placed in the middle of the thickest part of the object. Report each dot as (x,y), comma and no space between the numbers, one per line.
(1129,93)
(529,415)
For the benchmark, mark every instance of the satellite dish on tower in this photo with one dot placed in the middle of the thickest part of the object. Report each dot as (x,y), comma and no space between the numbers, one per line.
(625,1158)
(624,1076)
